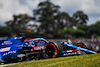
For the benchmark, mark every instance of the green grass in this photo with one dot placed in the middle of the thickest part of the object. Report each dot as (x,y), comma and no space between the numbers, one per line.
(90,60)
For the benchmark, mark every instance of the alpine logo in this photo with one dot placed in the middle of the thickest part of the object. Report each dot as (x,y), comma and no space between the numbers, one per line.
(9,53)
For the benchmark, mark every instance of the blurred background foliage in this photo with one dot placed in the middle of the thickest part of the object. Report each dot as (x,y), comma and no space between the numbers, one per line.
(48,21)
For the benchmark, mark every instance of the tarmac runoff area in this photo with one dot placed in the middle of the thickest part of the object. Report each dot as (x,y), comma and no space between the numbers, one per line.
(7,65)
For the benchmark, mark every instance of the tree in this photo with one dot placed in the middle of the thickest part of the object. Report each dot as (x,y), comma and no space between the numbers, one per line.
(45,14)
(5,31)
(80,17)
(19,22)
(94,28)
(72,32)
(78,33)
(63,20)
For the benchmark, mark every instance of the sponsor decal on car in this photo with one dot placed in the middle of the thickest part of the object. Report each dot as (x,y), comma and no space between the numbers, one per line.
(5,49)
(6,43)
(39,48)
(67,54)
(10,52)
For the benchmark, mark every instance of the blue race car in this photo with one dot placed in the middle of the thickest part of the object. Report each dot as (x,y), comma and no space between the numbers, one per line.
(16,49)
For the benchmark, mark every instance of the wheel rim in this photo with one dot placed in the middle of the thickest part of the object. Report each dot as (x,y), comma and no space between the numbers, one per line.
(50,51)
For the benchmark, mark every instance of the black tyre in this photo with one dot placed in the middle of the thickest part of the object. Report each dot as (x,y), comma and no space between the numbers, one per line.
(85,45)
(80,52)
(52,50)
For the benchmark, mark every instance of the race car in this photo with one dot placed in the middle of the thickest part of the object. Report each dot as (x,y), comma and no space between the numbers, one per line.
(22,49)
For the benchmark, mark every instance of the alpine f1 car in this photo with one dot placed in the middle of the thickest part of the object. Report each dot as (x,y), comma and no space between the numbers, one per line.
(18,49)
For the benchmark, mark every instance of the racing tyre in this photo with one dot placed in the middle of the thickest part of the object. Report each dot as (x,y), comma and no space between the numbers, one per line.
(84,45)
(52,50)
(80,52)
